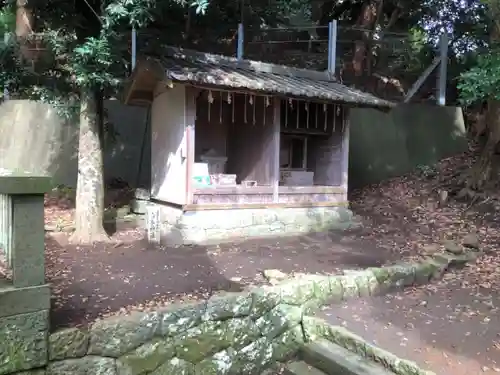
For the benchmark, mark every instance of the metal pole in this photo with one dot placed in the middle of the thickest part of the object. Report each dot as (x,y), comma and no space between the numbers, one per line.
(332,46)
(443,69)
(134,47)
(241,38)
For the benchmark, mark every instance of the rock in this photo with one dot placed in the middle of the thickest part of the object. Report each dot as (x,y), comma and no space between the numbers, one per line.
(242,332)
(146,358)
(203,341)
(178,318)
(175,366)
(264,299)
(430,249)
(296,292)
(32,372)
(402,275)
(274,275)
(116,336)
(83,366)
(288,344)
(253,358)
(230,305)
(349,286)
(68,343)
(443,197)
(471,241)
(336,289)
(452,247)
(280,319)
(23,341)
(220,363)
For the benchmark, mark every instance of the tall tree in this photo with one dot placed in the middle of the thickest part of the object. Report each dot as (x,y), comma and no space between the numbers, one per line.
(481,83)
(85,59)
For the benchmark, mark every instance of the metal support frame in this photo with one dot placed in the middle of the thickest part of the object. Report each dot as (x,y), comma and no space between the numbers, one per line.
(442,62)
(241,38)
(134,47)
(443,70)
(420,81)
(332,46)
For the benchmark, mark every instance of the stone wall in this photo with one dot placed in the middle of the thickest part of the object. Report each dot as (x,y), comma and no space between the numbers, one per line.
(194,227)
(53,142)
(234,333)
(385,145)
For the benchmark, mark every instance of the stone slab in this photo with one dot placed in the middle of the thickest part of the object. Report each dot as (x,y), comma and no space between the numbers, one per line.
(333,359)
(23,343)
(14,301)
(301,368)
(28,236)
(24,184)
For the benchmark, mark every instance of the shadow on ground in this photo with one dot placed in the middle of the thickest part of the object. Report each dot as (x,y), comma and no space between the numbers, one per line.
(130,274)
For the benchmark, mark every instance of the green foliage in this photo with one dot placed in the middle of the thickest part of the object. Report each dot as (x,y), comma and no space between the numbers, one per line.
(481,81)
(77,56)
(7,19)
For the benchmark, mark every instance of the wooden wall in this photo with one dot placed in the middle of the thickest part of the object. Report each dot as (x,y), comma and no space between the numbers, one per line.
(328,154)
(168,143)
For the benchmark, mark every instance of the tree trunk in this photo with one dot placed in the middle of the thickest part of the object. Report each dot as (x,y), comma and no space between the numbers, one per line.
(25,26)
(90,184)
(24,19)
(483,170)
(366,21)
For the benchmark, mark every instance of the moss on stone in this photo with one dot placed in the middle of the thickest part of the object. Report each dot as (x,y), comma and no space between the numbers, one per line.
(231,305)
(113,337)
(264,300)
(279,319)
(203,341)
(23,343)
(147,357)
(178,318)
(68,343)
(175,366)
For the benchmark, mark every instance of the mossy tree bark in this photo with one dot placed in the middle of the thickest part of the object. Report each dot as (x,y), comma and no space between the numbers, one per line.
(90,184)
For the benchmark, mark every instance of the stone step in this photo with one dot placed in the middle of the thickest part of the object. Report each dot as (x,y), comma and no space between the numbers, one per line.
(336,360)
(301,368)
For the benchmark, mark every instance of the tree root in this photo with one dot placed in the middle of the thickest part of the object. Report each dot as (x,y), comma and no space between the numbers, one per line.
(88,239)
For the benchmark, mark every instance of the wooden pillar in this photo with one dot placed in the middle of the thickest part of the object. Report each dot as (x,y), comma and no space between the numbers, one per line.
(276,146)
(345,150)
(190,118)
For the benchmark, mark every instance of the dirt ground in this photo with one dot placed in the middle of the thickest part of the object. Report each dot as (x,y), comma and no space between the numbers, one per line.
(129,274)
(449,328)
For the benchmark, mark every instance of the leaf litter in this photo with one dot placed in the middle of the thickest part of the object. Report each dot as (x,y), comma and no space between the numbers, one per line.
(451,325)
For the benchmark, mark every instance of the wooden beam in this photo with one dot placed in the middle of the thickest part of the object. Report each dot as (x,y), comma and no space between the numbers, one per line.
(243,206)
(275,170)
(190,118)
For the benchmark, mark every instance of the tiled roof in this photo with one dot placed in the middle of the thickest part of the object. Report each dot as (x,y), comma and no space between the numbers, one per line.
(198,68)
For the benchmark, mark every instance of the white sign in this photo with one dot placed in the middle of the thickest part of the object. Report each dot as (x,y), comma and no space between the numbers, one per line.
(153,224)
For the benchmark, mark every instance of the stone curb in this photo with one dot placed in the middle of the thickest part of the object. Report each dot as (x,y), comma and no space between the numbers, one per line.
(314,291)
(315,328)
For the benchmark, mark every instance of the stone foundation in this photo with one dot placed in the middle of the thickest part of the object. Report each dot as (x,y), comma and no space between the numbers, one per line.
(195,227)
